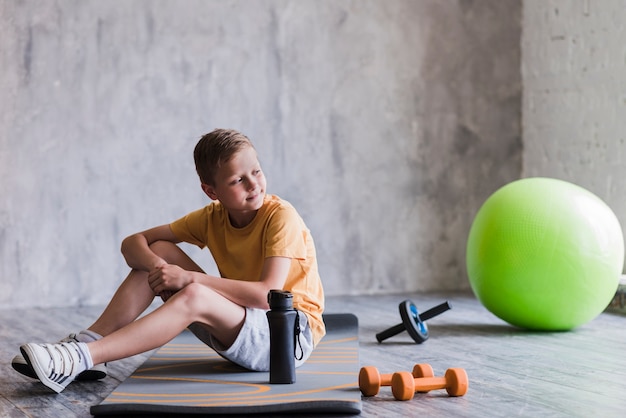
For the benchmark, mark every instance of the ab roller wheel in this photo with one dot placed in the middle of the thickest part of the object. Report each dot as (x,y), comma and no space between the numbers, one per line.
(413,322)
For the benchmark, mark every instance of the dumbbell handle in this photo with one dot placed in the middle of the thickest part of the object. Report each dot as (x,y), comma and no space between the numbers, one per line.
(431,313)
(426,384)
(385,378)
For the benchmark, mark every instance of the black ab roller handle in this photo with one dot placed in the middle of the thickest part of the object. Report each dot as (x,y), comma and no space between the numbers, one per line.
(413,322)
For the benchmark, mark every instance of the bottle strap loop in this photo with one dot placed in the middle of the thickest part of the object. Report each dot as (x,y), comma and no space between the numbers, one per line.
(296,338)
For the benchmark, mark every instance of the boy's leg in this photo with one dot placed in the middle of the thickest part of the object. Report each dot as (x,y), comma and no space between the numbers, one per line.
(56,365)
(130,300)
(134,295)
(194,303)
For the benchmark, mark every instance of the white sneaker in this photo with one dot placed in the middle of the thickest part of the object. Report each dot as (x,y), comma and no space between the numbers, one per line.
(57,365)
(97,372)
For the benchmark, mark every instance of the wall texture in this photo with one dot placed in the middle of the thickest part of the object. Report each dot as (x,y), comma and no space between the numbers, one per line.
(574,111)
(386,123)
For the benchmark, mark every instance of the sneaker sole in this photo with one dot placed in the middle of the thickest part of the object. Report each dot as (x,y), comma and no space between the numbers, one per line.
(25,369)
(95,373)
(92,374)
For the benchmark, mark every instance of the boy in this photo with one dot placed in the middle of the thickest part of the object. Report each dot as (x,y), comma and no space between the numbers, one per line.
(258,241)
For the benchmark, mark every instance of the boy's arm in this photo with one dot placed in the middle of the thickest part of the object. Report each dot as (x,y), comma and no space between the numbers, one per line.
(136,247)
(252,294)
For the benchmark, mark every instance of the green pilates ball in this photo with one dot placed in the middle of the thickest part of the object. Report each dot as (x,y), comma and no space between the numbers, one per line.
(545,254)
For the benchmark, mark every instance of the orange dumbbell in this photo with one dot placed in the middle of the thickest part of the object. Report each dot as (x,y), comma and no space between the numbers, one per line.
(370,380)
(404,384)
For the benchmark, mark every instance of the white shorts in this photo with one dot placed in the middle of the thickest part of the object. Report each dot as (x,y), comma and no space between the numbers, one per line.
(251,348)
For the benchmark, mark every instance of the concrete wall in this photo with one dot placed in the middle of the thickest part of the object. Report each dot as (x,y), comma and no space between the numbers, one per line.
(386,123)
(574,111)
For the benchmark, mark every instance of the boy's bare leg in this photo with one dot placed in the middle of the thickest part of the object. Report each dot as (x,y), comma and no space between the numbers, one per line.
(132,298)
(134,295)
(194,303)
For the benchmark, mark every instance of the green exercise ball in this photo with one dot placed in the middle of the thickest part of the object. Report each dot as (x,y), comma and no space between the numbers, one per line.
(545,254)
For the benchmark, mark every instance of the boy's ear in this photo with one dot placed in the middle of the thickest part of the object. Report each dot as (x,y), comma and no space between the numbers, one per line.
(209,190)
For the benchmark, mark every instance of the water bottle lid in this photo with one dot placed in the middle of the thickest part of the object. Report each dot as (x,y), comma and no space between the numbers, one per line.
(280,299)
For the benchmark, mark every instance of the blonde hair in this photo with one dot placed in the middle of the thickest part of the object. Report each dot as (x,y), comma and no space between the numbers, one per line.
(215,148)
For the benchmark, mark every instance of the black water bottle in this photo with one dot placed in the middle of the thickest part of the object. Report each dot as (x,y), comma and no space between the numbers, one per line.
(282,319)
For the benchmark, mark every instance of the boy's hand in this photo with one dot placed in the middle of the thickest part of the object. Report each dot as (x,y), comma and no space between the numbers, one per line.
(167,279)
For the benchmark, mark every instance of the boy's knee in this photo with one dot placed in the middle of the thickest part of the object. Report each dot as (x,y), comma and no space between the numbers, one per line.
(196,295)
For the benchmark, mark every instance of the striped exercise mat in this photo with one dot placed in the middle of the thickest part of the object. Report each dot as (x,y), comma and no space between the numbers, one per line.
(187,377)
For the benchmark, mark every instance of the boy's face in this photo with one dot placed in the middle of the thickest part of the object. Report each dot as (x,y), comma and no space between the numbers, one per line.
(240,186)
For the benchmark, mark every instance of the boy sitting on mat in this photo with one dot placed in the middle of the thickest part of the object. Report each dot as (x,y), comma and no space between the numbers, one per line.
(258,241)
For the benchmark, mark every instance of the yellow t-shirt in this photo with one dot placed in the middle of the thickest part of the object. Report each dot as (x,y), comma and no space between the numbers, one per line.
(276,231)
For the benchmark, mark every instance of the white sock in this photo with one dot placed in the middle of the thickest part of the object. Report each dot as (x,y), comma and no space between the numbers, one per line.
(86,354)
(88,336)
